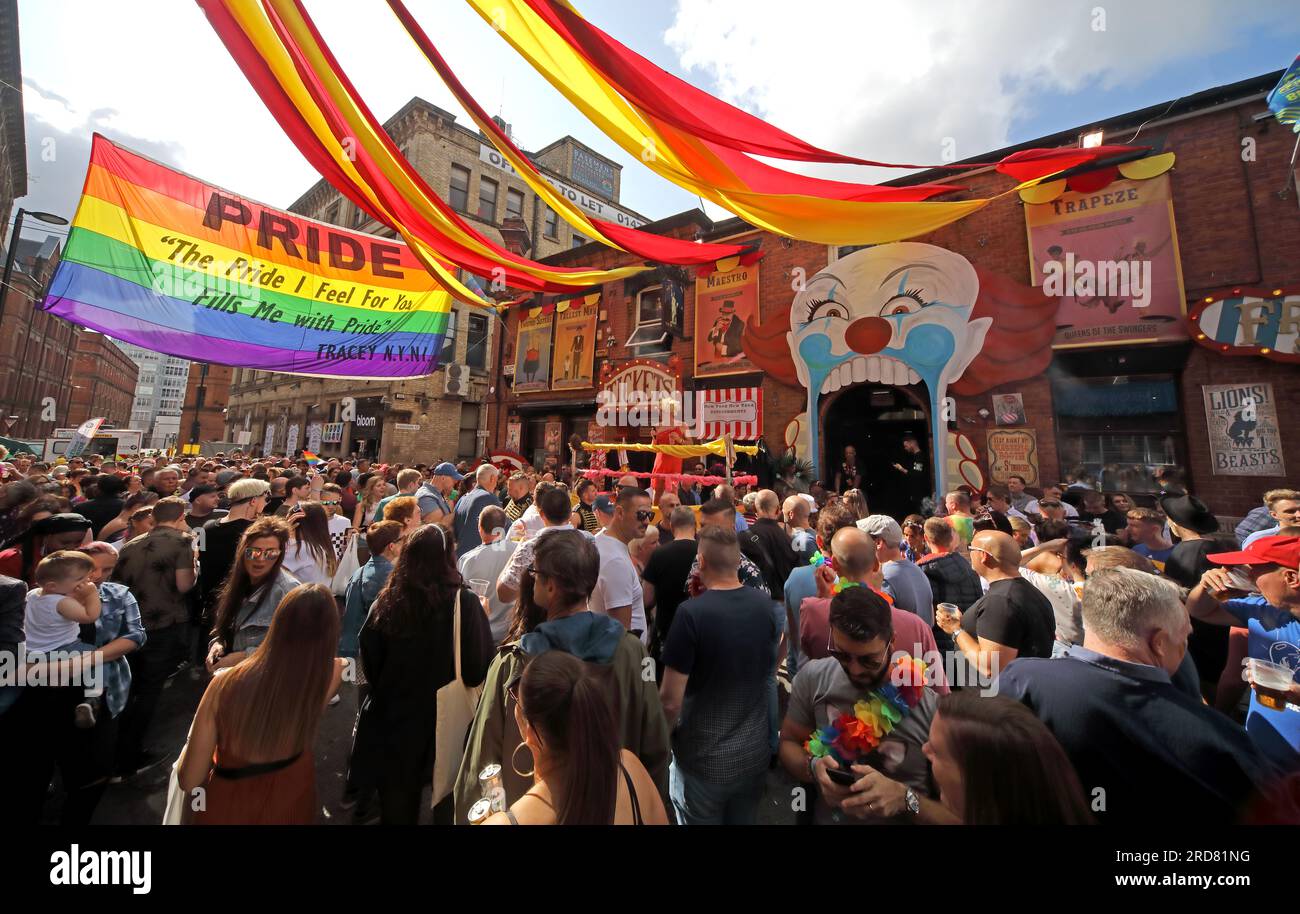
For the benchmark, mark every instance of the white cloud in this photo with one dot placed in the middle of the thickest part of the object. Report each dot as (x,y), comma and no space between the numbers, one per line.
(890,80)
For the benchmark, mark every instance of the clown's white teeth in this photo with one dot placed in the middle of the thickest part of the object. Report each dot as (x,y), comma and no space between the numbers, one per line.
(869,368)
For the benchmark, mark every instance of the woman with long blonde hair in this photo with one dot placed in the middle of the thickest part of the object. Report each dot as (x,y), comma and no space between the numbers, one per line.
(370,498)
(250,747)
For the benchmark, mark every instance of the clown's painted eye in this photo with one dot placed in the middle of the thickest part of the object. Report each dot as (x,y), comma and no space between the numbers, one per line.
(908,302)
(824,307)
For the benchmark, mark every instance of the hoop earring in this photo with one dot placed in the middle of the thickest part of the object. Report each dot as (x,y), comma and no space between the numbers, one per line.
(522,774)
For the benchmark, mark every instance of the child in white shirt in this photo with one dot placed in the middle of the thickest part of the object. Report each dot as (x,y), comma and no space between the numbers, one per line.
(65,599)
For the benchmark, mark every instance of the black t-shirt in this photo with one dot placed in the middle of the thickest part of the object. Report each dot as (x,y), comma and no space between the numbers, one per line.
(1015,613)
(1111,521)
(196,522)
(99,511)
(1188,562)
(217,557)
(725,641)
(780,554)
(667,571)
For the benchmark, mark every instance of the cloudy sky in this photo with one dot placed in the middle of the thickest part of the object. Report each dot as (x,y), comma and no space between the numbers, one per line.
(882,79)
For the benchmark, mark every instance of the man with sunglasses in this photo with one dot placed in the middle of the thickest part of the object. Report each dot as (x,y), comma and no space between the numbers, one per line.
(892,784)
(618,590)
(1013,619)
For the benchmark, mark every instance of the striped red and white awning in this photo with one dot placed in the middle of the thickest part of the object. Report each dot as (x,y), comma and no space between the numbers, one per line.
(738,410)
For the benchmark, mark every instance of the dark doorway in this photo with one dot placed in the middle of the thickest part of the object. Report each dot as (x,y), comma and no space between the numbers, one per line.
(873,419)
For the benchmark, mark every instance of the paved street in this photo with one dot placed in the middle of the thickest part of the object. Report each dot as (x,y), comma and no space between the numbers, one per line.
(141,801)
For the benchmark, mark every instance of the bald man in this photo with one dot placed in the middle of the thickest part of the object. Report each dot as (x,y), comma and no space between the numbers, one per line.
(855,559)
(1012,620)
(803,539)
(776,542)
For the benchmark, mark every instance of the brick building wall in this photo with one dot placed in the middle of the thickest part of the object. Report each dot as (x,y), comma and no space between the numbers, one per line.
(215,381)
(433,142)
(103,382)
(1233,224)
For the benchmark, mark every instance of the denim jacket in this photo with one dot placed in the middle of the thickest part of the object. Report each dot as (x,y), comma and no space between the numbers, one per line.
(119,617)
(363,587)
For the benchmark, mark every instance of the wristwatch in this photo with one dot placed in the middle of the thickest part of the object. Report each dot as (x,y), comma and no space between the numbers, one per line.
(913,804)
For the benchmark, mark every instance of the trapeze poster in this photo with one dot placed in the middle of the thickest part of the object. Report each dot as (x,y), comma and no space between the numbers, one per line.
(533,354)
(726,302)
(575,337)
(1110,258)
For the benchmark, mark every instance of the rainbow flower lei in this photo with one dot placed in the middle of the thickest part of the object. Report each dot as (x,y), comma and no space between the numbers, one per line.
(841,583)
(854,736)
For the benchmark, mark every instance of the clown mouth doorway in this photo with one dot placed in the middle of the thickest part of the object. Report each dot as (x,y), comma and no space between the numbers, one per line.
(874,419)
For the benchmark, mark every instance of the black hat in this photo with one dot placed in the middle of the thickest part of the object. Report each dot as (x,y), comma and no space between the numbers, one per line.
(59,523)
(1190,512)
(204,489)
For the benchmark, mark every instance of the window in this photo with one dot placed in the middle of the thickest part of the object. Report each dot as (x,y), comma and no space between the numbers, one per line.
(332,214)
(459,197)
(448,354)
(476,347)
(578,241)
(514,203)
(651,335)
(360,218)
(468,447)
(1118,428)
(552,226)
(487,199)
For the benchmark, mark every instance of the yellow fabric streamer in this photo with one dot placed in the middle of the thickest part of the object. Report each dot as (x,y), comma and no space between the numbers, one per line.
(716,448)
(255,24)
(684,161)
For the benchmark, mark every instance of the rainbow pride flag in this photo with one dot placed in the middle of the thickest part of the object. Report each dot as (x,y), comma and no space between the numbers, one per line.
(161,260)
(311,458)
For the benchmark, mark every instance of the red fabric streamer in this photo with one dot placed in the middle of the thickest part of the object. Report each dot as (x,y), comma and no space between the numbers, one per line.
(652,247)
(695,112)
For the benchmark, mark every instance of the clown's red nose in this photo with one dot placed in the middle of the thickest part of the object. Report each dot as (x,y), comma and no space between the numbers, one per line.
(869,334)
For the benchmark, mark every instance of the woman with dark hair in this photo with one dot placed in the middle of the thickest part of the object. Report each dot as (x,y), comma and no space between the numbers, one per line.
(49,533)
(251,743)
(117,529)
(551,614)
(14,498)
(309,554)
(995,763)
(580,774)
(407,653)
(247,601)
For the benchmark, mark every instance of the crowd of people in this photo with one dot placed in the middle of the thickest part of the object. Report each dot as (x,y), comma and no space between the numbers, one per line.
(537,647)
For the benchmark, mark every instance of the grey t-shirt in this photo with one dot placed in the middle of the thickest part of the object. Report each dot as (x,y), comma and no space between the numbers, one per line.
(822,691)
(910,588)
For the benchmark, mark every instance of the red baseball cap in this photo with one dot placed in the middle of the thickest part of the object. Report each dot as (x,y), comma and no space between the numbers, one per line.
(1267,550)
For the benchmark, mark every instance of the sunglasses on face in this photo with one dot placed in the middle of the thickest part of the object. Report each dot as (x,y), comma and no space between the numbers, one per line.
(866,661)
(1050,504)
(645,514)
(257,555)
(328,503)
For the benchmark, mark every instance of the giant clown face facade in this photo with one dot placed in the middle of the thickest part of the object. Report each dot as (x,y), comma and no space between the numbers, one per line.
(900,314)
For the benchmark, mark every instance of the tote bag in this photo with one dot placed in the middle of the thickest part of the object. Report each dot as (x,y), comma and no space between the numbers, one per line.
(348,564)
(456,705)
